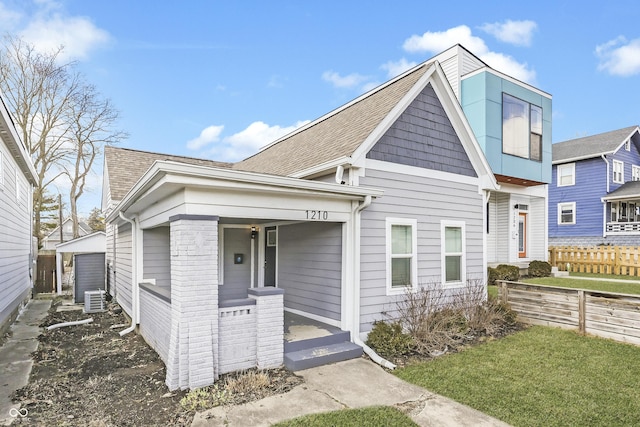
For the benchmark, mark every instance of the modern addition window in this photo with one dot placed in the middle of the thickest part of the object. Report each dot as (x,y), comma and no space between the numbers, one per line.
(453,252)
(618,172)
(402,248)
(635,173)
(521,128)
(566,174)
(566,213)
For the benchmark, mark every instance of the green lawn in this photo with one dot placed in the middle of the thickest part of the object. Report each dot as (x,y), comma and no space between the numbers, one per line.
(605,276)
(541,377)
(595,285)
(377,416)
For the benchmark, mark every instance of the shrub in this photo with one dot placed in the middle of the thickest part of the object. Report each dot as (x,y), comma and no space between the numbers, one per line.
(539,269)
(503,272)
(388,339)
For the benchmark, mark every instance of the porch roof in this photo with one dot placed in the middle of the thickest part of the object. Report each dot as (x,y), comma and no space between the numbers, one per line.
(166,178)
(628,190)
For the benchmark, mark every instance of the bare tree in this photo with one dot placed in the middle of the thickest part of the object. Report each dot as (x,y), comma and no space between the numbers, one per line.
(92,121)
(39,90)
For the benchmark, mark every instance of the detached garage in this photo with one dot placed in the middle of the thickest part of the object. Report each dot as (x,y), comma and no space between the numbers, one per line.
(88,263)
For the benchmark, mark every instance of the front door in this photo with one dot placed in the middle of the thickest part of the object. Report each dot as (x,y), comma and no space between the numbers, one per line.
(522,235)
(270,249)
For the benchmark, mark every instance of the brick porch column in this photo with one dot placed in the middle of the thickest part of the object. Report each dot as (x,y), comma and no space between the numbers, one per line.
(193,344)
(270,326)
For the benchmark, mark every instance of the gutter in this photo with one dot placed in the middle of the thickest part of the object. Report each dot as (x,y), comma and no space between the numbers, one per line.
(134,268)
(356,289)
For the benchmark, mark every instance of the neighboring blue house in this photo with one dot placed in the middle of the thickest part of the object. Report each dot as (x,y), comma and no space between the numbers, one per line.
(594,198)
(511,121)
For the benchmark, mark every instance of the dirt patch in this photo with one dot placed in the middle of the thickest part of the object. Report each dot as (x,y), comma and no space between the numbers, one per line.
(87,375)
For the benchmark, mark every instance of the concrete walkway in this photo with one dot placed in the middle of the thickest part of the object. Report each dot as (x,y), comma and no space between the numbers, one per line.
(354,383)
(15,356)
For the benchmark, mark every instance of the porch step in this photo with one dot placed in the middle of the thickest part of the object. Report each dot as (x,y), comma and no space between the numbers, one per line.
(321,355)
(336,337)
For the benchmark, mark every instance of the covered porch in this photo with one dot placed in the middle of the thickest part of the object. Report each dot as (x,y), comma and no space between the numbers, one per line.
(622,210)
(221,255)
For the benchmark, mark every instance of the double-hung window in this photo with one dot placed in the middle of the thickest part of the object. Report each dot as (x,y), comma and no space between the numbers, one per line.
(566,174)
(567,213)
(635,173)
(618,172)
(521,128)
(453,246)
(402,266)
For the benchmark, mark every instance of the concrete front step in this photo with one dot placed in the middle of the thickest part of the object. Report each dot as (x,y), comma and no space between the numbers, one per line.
(334,338)
(321,355)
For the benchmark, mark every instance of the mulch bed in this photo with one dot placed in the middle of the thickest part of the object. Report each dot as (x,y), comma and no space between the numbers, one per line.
(87,375)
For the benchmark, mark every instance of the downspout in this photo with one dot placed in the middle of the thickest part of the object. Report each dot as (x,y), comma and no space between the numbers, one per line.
(604,204)
(134,275)
(356,289)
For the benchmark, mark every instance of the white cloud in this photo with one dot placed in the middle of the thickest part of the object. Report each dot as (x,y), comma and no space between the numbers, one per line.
(348,81)
(398,67)
(619,57)
(9,19)
(78,35)
(436,42)
(518,33)
(509,66)
(242,144)
(208,135)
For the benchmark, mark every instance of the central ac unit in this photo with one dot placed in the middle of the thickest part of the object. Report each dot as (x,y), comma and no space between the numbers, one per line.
(94,301)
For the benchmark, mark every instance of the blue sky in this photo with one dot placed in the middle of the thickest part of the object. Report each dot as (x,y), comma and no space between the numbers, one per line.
(220,79)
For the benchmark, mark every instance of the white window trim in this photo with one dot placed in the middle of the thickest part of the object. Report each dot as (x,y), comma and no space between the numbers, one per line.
(572,166)
(627,145)
(635,173)
(463,259)
(573,207)
(618,181)
(414,249)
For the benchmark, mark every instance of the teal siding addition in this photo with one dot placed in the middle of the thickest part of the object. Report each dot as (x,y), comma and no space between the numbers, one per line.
(481,99)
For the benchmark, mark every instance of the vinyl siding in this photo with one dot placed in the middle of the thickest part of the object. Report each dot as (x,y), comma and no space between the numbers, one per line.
(156,258)
(424,137)
(310,267)
(590,186)
(429,201)
(89,274)
(15,237)
(123,267)
(237,277)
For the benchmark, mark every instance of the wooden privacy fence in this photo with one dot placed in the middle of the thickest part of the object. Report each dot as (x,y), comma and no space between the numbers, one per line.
(605,314)
(621,260)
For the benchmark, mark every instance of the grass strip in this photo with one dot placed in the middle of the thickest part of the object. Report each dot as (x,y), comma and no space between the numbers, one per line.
(373,416)
(594,285)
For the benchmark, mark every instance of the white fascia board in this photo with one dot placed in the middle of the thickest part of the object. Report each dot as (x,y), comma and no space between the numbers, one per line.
(324,167)
(585,157)
(167,172)
(381,165)
(508,78)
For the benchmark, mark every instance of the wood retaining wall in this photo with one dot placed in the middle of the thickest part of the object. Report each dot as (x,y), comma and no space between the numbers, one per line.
(604,314)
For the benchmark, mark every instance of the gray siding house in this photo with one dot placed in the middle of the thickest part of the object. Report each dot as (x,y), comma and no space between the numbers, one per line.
(17,178)
(331,224)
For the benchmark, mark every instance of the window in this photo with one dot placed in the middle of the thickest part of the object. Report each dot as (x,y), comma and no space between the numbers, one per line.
(521,128)
(618,172)
(402,269)
(614,211)
(627,145)
(567,213)
(453,252)
(635,173)
(566,174)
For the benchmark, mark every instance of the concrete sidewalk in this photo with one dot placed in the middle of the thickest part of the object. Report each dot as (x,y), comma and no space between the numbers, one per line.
(354,383)
(15,355)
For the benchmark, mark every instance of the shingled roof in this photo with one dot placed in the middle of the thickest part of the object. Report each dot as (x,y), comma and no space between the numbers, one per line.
(333,136)
(591,146)
(125,167)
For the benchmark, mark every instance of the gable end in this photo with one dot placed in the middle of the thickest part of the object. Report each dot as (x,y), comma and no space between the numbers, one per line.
(423,136)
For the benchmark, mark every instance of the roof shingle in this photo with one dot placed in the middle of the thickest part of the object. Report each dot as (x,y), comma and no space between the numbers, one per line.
(591,146)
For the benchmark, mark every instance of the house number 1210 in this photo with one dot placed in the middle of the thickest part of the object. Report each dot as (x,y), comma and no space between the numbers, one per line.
(318,215)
